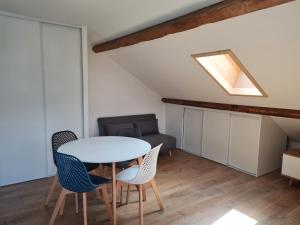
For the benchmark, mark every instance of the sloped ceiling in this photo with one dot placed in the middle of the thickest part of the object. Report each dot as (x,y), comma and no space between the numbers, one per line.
(105,19)
(267,42)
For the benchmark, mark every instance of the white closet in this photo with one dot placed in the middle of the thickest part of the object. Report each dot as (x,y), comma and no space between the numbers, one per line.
(247,142)
(63,81)
(41,92)
(192,138)
(22,131)
(216,136)
(244,142)
(174,122)
(256,144)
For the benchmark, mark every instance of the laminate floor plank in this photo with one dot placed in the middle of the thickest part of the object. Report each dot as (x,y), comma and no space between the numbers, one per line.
(194,191)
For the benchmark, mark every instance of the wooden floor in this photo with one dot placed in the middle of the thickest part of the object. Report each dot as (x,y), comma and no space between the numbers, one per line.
(194,191)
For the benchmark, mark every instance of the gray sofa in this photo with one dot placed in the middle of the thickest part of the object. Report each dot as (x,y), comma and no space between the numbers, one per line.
(145,125)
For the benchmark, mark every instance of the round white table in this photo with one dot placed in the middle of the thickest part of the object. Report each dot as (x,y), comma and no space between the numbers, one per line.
(107,149)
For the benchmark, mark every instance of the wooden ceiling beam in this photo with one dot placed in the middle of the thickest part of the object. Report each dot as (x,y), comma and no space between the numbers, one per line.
(268,111)
(211,14)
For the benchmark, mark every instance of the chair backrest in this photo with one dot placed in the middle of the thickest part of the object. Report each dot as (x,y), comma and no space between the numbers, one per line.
(62,137)
(72,173)
(147,169)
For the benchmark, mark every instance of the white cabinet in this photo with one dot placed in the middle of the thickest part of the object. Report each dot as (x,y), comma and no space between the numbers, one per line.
(192,137)
(174,123)
(41,92)
(256,144)
(216,136)
(247,142)
(244,142)
(291,165)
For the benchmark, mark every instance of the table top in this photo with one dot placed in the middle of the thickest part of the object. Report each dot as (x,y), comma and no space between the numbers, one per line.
(106,149)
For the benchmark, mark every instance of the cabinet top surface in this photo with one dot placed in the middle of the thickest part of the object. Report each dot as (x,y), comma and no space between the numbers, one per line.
(293,152)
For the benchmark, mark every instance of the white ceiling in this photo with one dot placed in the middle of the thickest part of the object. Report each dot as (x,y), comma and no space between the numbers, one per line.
(105,19)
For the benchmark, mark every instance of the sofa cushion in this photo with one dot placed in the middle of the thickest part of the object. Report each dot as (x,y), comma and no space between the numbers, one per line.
(121,119)
(147,127)
(169,142)
(130,132)
(114,129)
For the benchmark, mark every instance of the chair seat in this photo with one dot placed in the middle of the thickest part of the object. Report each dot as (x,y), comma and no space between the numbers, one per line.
(97,180)
(91,166)
(128,174)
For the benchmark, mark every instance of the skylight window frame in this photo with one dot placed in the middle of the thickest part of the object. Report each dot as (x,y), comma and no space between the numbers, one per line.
(238,63)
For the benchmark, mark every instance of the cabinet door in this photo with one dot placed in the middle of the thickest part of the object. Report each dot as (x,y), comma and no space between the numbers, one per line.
(215,139)
(174,122)
(63,82)
(22,130)
(244,142)
(192,131)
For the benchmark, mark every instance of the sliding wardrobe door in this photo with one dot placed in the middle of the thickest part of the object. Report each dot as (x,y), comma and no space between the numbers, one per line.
(22,130)
(174,122)
(216,126)
(62,60)
(192,138)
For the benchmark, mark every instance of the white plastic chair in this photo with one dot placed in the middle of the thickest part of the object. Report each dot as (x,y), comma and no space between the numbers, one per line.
(140,175)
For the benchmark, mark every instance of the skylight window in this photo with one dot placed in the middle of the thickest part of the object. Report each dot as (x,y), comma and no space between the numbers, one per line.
(229,73)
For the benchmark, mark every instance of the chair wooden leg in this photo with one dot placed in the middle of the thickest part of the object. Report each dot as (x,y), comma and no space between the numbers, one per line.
(144,191)
(59,202)
(100,170)
(106,202)
(84,208)
(170,153)
(117,188)
(128,193)
(157,195)
(62,207)
(141,204)
(121,194)
(105,171)
(140,161)
(98,194)
(51,190)
(76,203)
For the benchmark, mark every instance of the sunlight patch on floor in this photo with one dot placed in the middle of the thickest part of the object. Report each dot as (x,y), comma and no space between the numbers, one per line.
(234,217)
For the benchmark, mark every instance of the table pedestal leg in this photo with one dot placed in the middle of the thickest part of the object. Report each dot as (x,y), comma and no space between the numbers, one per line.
(114,194)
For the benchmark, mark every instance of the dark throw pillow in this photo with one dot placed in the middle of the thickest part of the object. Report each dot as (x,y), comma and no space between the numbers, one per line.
(130,132)
(147,127)
(114,129)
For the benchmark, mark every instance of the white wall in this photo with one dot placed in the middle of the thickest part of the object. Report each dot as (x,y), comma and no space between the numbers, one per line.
(113,91)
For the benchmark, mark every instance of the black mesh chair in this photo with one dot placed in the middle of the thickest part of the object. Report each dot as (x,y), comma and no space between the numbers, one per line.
(74,178)
(58,139)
